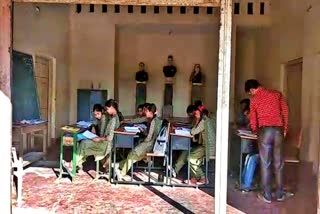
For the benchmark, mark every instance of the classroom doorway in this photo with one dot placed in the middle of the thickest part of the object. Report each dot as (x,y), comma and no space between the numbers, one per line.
(45,79)
(293,92)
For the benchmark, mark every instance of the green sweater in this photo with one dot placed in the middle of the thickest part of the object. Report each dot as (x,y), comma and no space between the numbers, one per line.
(207,130)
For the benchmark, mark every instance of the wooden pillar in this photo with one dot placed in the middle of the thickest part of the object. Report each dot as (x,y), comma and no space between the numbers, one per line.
(233,73)
(317,65)
(318,184)
(5,112)
(5,46)
(222,135)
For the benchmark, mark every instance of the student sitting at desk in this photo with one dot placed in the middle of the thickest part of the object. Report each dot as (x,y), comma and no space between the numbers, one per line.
(140,111)
(243,123)
(141,114)
(190,113)
(102,145)
(120,115)
(141,117)
(145,146)
(100,123)
(199,144)
(199,105)
(243,116)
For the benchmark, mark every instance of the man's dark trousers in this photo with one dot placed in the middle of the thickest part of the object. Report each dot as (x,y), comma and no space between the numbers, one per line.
(270,150)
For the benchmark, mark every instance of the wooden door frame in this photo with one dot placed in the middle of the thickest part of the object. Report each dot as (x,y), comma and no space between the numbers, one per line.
(284,74)
(52,94)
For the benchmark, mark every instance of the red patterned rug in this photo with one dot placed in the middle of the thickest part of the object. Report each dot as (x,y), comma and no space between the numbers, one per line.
(43,194)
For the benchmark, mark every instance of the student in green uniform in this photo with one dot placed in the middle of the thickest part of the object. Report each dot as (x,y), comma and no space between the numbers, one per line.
(102,145)
(100,123)
(190,113)
(141,118)
(203,136)
(145,146)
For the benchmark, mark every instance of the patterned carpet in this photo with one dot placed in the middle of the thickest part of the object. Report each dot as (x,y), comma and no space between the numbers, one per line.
(42,193)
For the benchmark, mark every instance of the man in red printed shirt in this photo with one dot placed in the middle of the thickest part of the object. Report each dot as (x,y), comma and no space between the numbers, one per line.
(269,120)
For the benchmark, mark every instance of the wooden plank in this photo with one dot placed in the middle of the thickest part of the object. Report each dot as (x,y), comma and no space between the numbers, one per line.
(27,129)
(295,61)
(318,185)
(42,87)
(222,136)
(201,3)
(44,113)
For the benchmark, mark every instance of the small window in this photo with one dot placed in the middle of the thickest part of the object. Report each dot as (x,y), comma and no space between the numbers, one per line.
(91,8)
(130,9)
(196,10)
(156,9)
(250,8)
(104,8)
(169,9)
(78,8)
(236,8)
(183,10)
(117,8)
(209,10)
(143,9)
(261,8)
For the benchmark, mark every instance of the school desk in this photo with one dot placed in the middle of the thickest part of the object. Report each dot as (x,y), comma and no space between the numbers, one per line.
(20,133)
(68,138)
(123,139)
(181,143)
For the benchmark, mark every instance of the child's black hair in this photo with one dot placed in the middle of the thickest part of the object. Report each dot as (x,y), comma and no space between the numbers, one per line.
(113,103)
(97,107)
(191,109)
(198,103)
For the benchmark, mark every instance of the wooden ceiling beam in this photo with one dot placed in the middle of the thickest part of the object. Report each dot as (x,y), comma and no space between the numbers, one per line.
(200,3)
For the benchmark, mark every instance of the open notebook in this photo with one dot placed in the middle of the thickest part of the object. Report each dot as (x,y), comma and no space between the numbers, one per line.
(136,128)
(86,135)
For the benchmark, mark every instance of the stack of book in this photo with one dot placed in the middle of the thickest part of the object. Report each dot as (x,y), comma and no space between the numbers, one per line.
(83,124)
(30,122)
(183,131)
(132,129)
(247,133)
(70,129)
